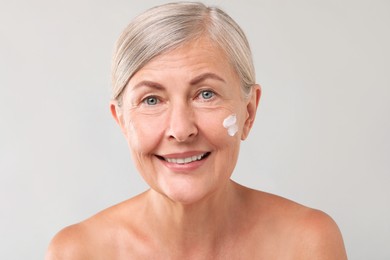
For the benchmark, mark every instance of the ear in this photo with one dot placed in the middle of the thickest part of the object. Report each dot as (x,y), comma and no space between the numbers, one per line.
(251,108)
(117,114)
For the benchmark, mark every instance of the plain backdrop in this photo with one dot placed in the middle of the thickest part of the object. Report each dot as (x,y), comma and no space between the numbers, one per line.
(321,137)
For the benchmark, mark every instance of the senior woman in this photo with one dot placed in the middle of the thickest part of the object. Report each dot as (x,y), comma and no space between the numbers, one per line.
(184,96)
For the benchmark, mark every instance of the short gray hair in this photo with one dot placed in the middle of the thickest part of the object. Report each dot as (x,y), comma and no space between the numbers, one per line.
(165,27)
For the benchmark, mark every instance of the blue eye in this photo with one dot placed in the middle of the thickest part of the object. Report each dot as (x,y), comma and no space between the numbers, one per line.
(207,94)
(151,101)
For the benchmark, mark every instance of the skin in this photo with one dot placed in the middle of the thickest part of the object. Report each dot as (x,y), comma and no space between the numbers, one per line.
(174,108)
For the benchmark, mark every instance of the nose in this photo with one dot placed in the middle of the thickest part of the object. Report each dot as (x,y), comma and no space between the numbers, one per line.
(182,125)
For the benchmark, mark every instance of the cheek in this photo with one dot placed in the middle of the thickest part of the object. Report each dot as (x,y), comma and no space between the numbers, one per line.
(231,124)
(143,133)
(213,126)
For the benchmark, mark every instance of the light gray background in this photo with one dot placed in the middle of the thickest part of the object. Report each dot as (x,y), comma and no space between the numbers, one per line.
(321,137)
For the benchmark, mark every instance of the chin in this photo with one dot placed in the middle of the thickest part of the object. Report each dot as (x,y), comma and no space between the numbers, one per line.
(185,195)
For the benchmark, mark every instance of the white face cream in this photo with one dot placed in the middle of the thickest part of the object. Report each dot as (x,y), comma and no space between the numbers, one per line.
(230,124)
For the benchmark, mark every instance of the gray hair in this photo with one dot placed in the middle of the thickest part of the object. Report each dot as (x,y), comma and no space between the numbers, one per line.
(165,27)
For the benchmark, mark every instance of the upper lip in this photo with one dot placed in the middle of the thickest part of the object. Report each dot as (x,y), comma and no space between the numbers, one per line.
(182,155)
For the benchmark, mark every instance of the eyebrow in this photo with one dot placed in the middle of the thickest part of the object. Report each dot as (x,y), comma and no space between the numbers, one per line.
(204,76)
(194,81)
(150,84)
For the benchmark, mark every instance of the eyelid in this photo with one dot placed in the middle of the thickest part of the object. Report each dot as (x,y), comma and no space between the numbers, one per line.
(206,90)
(144,100)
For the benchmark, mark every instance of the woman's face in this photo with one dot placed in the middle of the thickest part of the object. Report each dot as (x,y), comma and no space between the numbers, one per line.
(172,117)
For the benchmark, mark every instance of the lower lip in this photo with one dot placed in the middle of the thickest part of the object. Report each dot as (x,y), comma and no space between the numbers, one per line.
(186,167)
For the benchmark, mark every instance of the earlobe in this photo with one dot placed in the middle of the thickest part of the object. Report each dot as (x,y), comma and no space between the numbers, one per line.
(251,109)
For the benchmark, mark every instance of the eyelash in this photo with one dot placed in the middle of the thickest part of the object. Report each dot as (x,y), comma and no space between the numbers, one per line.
(145,100)
(199,96)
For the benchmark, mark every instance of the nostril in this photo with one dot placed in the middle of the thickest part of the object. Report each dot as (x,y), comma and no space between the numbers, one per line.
(183,136)
(182,126)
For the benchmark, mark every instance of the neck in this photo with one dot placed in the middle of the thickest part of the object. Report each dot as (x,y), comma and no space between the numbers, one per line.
(205,223)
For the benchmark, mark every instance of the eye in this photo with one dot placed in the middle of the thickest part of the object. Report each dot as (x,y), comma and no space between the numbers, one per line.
(207,94)
(151,101)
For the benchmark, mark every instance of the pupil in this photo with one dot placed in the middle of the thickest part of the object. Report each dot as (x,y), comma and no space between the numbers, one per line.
(151,101)
(206,94)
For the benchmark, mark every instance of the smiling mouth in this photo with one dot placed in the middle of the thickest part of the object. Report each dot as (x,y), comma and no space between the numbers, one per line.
(185,160)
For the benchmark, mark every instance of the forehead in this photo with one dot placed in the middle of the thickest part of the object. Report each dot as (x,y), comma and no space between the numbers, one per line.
(193,57)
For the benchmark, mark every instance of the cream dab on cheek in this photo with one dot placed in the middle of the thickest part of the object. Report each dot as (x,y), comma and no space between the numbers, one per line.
(230,124)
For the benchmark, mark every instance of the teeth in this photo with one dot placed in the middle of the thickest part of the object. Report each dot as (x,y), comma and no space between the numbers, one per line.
(185,160)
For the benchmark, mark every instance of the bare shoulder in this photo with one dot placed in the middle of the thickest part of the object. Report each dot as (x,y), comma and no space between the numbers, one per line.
(303,232)
(318,237)
(98,237)
(69,243)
